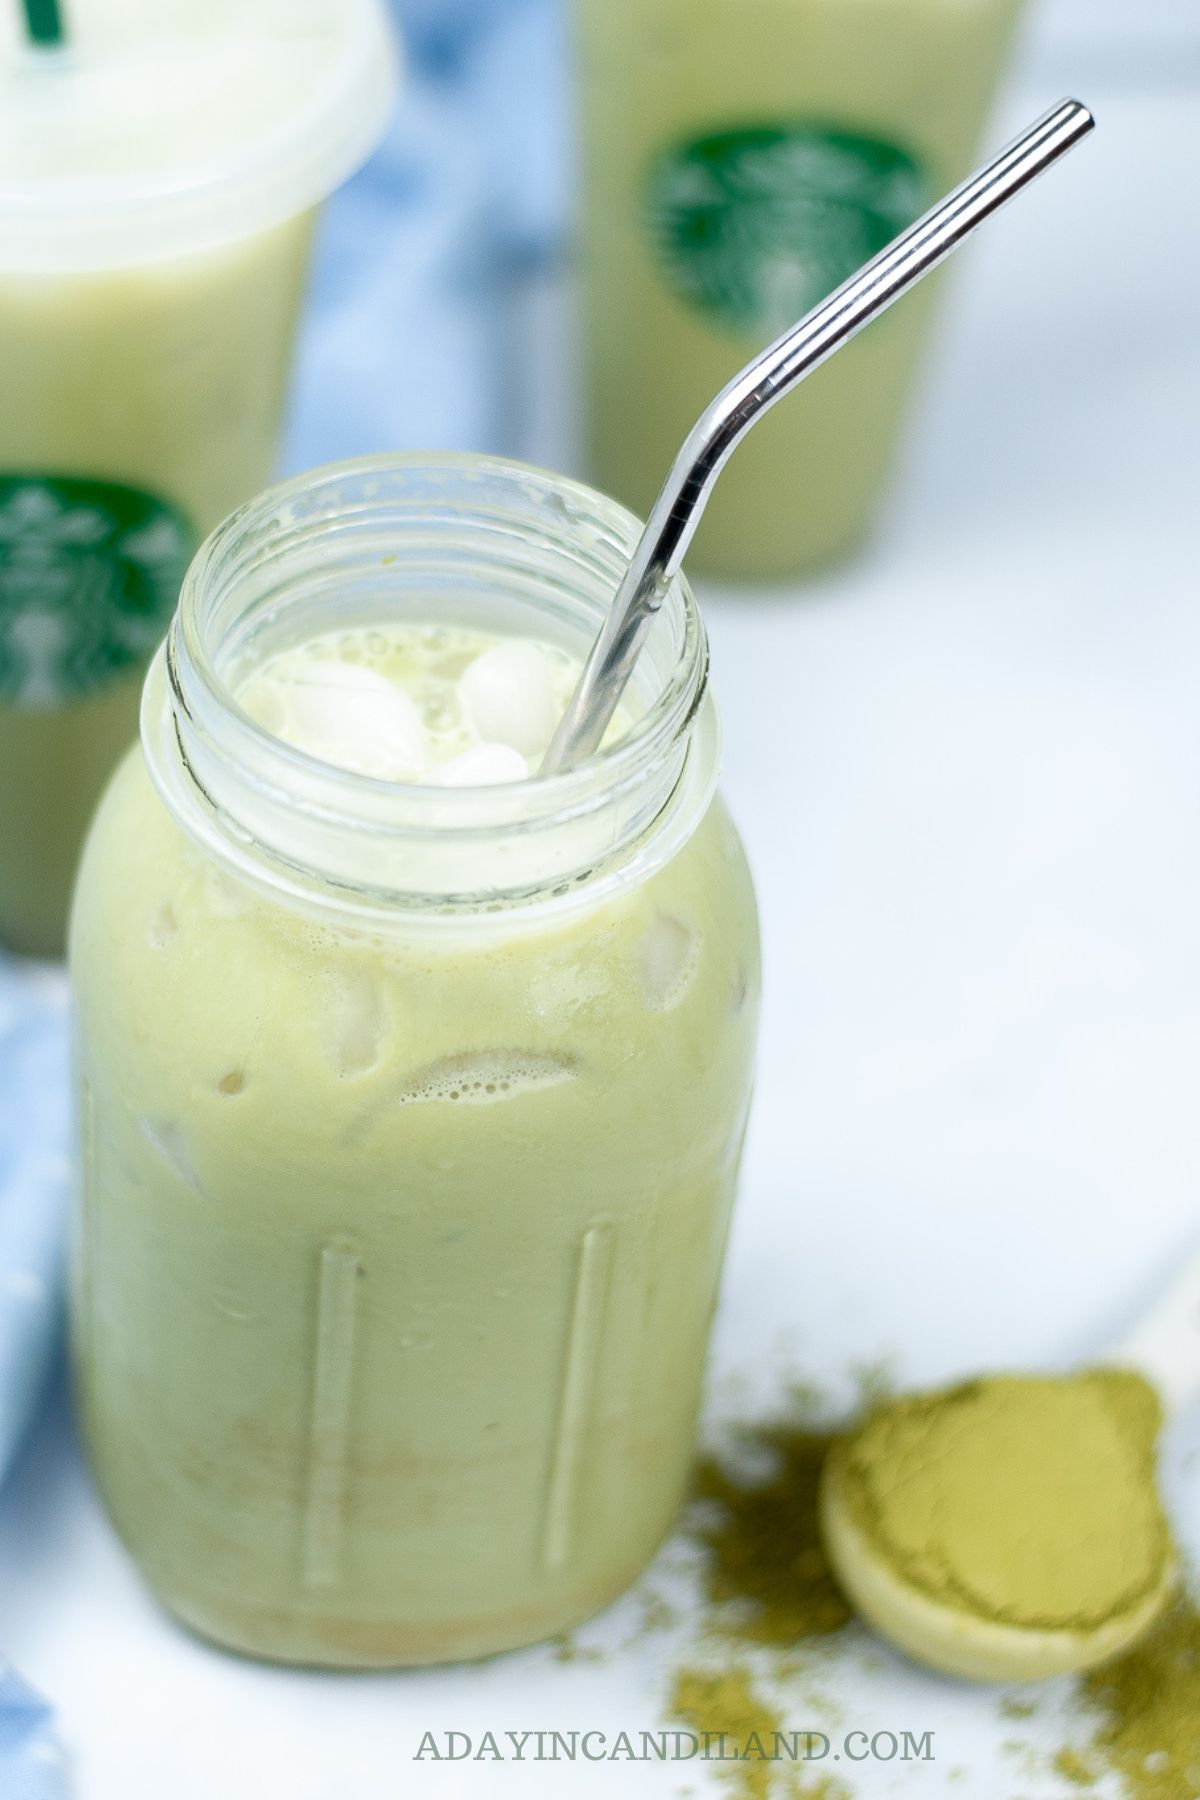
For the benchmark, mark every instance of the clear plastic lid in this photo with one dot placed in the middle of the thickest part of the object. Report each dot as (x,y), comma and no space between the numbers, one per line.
(170,126)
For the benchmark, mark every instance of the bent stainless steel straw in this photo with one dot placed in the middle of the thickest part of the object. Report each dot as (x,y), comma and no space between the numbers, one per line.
(739,405)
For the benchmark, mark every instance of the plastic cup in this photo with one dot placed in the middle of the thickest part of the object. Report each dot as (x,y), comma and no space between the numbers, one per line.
(740,160)
(159,178)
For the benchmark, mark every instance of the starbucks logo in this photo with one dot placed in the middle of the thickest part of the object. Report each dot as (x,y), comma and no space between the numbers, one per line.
(754,226)
(89,576)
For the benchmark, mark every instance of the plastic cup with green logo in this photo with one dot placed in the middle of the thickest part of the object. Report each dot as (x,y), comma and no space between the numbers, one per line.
(160,168)
(740,161)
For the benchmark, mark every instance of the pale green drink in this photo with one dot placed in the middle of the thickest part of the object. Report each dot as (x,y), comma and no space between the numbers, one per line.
(157,184)
(138,409)
(412,1119)
(740,159)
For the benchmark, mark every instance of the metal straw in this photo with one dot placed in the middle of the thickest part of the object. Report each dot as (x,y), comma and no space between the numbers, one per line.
(725,422)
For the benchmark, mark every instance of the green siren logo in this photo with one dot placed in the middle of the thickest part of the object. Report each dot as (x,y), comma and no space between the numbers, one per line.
(89,576)
(754,226)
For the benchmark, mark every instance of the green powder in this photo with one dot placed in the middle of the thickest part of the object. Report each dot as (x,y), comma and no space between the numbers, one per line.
(1149,1702)
(979,1493)
(1073,1768)
(1023,1500)
(764,1542)
(727,1704)
(726,1707)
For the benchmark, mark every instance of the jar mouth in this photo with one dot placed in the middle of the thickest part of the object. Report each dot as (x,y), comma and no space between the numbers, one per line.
(431,538)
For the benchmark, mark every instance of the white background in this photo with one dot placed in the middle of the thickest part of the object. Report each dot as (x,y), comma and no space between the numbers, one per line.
(967,772)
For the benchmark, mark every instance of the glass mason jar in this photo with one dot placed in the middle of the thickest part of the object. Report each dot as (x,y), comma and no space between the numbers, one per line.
(410,1116)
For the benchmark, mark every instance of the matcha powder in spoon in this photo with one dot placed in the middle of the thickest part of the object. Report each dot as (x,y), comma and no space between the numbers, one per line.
(985,1496)
(961,1486)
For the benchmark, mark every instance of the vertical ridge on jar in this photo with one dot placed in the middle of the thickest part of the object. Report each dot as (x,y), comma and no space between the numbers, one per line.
(585,1341)
(327,1472)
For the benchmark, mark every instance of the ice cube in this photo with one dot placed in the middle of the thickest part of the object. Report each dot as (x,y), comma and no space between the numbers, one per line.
(163,926)
(354,1022)
(168,1138)
(509,695)
(667,958)
(348,715)
(484,765)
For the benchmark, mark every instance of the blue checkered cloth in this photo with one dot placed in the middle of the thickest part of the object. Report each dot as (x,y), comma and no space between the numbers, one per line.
(31,1763)
(34,1174)
(408,344)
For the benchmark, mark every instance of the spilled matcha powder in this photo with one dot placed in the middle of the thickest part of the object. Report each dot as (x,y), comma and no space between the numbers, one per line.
(1075,1768)
(1149,1704)
(985,1496)
(726,1706)
(769,1588)
(764,1541)
(980,1493)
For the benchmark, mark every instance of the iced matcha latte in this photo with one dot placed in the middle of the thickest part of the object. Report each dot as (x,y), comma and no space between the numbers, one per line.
(411,1087)
(158,177)
(740,160)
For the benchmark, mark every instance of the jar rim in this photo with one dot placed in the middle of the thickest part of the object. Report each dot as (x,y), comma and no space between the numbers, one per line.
(220,746)
(670,715)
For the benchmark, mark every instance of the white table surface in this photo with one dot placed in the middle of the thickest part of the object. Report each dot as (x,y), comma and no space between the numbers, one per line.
(966,769)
